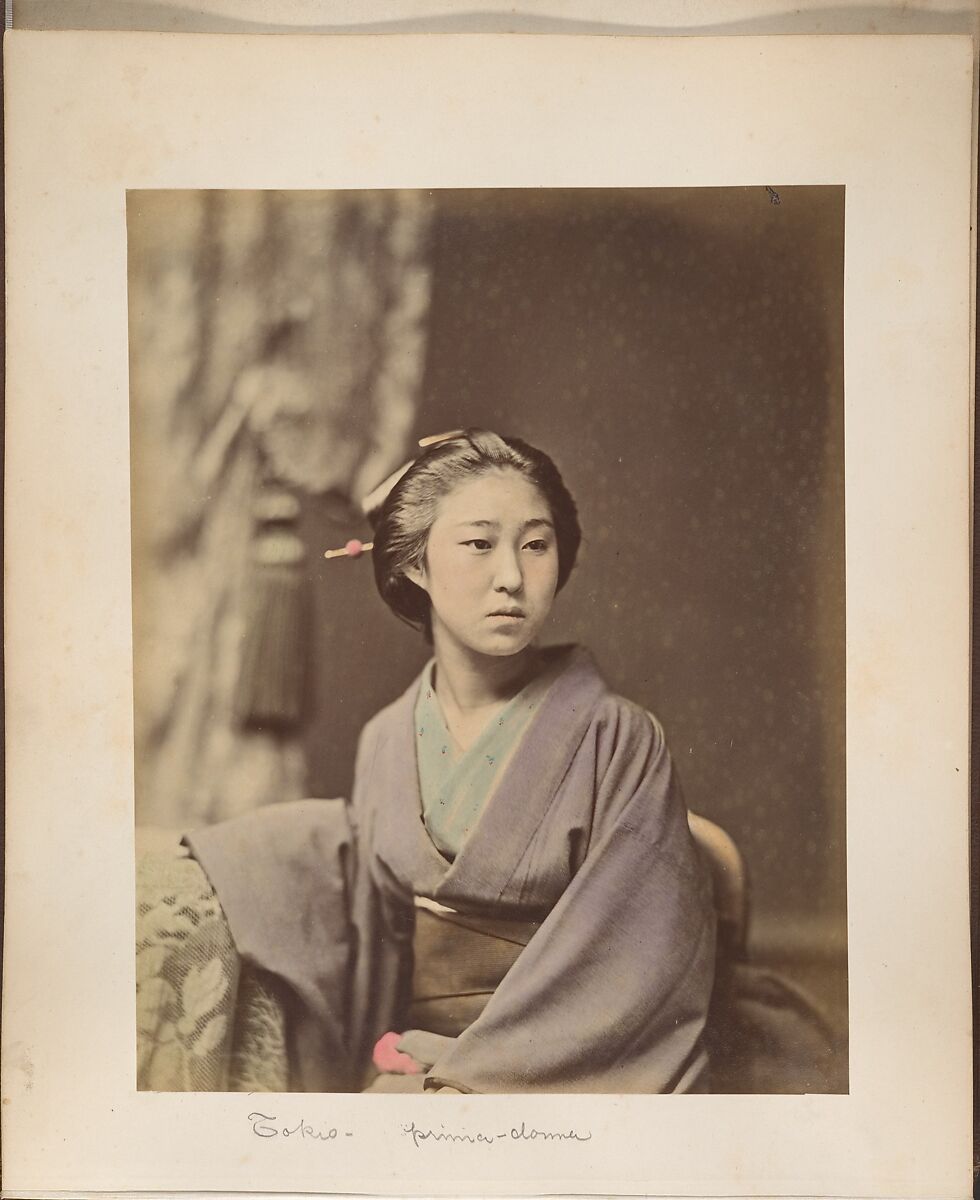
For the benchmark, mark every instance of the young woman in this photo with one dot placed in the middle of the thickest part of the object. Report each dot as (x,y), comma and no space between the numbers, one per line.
(539,897)
(522,906)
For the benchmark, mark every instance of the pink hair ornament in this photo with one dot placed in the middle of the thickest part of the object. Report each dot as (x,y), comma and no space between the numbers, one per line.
(353,549)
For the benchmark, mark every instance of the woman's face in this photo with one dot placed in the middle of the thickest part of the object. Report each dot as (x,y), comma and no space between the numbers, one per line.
(491,564)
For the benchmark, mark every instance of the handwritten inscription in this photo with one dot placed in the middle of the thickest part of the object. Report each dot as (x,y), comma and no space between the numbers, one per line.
(265,1126)
(516,1133)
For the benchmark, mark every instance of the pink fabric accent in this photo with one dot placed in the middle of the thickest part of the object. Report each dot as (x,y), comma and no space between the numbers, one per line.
(390,1060)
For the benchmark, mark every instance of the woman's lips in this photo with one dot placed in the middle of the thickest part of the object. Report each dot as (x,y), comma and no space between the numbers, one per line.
(514,614)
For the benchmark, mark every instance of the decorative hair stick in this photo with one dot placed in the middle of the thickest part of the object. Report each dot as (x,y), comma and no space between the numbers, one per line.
(353,549)
(439,437)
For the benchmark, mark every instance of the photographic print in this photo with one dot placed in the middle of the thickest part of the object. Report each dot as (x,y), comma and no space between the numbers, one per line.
(488,583)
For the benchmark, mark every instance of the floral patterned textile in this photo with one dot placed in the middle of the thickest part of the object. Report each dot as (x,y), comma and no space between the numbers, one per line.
(203,1021)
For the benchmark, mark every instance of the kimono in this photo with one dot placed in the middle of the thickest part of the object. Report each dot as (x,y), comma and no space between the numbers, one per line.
(561,940)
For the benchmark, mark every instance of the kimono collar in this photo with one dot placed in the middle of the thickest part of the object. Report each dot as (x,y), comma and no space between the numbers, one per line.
(520,800)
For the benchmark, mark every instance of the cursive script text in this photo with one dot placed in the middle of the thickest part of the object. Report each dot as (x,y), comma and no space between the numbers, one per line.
(265,1126)
(516,1133)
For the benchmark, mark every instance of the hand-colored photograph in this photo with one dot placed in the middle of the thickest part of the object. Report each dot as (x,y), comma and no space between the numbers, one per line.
(489,640)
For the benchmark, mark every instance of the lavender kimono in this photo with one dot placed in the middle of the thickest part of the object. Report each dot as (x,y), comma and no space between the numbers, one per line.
(585,837)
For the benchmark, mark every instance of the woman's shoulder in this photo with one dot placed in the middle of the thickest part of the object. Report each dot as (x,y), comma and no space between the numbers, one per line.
(612,711)
(628,724)
(625,750)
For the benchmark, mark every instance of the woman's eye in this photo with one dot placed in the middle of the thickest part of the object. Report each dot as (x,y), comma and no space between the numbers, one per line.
(477,543)
(539,545)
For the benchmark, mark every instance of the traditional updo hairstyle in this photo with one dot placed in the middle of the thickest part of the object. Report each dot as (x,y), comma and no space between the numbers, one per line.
(402,524)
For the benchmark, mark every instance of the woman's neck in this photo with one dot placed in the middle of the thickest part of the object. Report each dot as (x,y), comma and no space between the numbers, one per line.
(470,681)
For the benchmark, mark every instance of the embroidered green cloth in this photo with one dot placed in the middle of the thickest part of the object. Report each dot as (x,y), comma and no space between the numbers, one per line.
(456,785)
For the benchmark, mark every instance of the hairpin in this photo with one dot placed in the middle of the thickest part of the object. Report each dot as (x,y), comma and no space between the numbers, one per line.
(354,549)
(439,437)
(374,499)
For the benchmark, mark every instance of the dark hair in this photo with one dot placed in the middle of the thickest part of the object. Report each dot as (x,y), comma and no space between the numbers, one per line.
(402,524)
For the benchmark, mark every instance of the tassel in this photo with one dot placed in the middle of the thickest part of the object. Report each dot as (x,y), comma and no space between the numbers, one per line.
(272,677)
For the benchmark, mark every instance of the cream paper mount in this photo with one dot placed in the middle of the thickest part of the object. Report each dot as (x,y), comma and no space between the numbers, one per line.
(90,116)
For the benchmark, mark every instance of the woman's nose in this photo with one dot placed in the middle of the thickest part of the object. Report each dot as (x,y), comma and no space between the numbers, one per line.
(508,576)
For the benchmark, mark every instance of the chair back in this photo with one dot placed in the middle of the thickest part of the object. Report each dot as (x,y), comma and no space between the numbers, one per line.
(729,881)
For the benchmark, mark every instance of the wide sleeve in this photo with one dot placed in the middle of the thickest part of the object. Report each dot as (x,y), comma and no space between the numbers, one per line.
(612,992)
(281,876)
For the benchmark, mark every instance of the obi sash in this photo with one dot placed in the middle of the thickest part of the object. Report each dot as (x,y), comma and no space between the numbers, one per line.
(459,960)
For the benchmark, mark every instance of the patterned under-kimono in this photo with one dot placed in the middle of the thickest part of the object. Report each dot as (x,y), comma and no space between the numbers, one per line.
(531,915)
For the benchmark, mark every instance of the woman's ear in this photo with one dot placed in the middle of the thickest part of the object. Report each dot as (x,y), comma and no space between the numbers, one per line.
(417,576)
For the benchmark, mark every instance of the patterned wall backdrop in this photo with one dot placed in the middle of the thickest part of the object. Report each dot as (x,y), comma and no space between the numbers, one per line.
(680,354)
